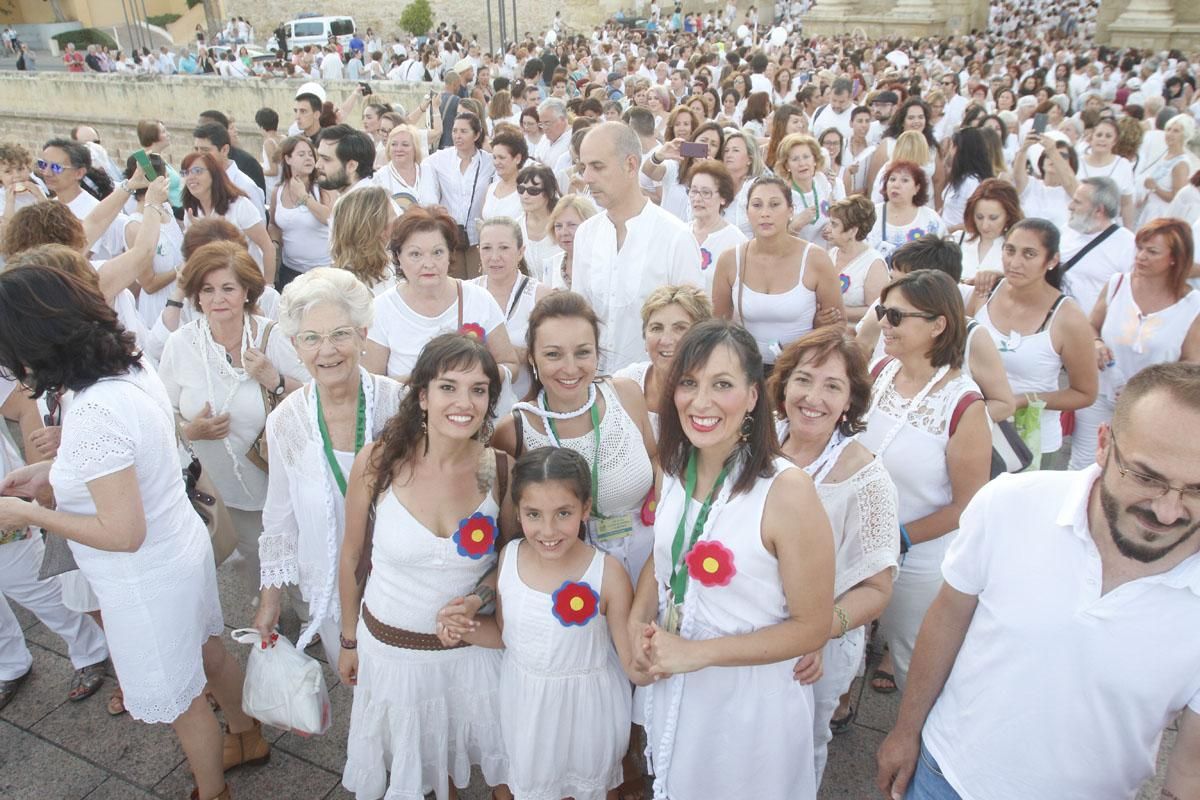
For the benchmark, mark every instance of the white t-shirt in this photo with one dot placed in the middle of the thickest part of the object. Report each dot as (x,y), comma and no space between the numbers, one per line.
(828,118)
(1115,667)
(112,242)
(404,332)
(925,223)
(1085,280)
(714,245)
(1120,170)
(1046,202)
(244,215)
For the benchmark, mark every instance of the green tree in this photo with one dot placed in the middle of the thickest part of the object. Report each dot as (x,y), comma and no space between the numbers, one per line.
(417,17)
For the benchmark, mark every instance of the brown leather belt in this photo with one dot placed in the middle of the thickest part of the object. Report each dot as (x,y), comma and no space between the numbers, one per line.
(398,637)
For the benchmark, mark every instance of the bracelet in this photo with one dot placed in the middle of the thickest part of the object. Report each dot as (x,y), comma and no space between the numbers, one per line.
(654,157)
(174,303)
(843,618)
(487,598)
(347,644)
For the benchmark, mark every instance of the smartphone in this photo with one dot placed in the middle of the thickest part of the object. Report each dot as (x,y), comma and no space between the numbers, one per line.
(143,160)
(366,88)
(693,150)
(1039,123)
(857,88)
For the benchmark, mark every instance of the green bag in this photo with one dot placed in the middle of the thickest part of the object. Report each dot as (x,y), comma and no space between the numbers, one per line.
(1028,422)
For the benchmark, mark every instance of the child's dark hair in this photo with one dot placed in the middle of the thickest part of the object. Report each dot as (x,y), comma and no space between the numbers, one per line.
(553,464)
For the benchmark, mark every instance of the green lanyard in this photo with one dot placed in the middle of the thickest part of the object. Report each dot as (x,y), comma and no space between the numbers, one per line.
(360,435)
(595,465)
(816,203)
(679,576)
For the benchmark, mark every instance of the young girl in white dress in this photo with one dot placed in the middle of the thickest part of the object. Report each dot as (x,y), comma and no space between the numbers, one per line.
(562,614)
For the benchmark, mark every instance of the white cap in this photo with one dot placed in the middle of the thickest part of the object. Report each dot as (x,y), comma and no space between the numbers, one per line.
(312,87)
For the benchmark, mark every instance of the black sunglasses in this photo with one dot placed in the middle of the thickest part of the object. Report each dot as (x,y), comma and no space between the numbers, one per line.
(895,316)
(54,407)
(529,189)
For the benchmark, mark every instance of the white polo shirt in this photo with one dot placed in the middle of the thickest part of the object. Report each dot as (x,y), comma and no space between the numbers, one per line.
(1058,692)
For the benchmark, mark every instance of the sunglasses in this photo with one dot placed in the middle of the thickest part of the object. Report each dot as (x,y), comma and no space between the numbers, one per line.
(895,316)
(44,165)
(54,407)
(529,189)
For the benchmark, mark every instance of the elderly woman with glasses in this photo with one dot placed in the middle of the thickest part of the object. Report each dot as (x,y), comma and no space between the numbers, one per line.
(315,433)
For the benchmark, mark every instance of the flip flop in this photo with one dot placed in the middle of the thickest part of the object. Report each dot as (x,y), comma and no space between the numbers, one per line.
(881,675)
(87,682)
(839,725)
(8,689)
(116,703)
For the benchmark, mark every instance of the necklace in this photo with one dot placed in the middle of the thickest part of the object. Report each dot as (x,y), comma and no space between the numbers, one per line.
(542,409)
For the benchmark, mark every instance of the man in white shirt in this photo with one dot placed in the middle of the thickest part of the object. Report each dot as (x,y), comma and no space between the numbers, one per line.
(956,104)
(1063,641)
(837,113)
(212,138)
(1095,208)
(556,132)
(624,254)
(332,68)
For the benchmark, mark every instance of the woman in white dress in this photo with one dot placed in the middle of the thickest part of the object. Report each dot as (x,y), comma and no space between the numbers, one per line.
(603,420)
(820,391)
(208,192)
(970,163)
(299,211)
(400,177)
(991,211)
(1099,161)
(802,162)
(1146,316)
(155,285)
(861,270)
(359,238)
(1049,196)
(734,591)
(315,433)
(427,301)
(121,504)
(668,313)
(539,194)
(710,191)
(1040,332)
(744,161)
(1166,176)
(566,218)
(906,214)
(506,278)
(510,154)
(426,513)
(222,372)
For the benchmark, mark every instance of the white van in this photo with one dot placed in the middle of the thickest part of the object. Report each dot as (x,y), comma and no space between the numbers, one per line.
(316,30)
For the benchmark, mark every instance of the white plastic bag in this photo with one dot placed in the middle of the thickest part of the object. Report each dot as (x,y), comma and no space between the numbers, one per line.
(284,688)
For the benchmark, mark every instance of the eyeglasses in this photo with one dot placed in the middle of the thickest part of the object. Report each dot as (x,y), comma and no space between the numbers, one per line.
(895,316)
(196,171)
(529,189)
(311,340)
(54,409)
(1154,488)
(43,165)
(703,194)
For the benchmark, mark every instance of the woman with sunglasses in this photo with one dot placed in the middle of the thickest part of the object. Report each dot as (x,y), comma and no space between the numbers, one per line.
(1049,196)
(538,190)
(315,434)
(1040,332)
(928,424)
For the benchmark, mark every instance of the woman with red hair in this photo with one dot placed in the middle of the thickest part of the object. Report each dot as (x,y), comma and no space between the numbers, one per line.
(1145,316)
(904,215)
(992,209)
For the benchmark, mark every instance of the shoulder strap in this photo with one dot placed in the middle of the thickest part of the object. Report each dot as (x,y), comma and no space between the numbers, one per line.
(501,474)
(1058,301)
(519,431)
(741,279)
(961,407)
(1117,287)
(459,289)
(878,368)
(1087,248)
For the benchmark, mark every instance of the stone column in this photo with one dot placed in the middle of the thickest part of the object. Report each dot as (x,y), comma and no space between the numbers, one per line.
(1144,23)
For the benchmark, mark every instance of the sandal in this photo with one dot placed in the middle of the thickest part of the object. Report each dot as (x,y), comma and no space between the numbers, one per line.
(116,703)
(8,689)
(632,789)
(839,725)
(87,682)
(883,682)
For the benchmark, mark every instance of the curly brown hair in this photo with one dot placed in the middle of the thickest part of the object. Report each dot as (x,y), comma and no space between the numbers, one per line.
(221,255)
(47,222)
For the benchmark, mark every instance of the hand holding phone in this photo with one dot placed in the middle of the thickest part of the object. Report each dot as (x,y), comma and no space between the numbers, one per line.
(693,150)
(1039,123)
(143,160)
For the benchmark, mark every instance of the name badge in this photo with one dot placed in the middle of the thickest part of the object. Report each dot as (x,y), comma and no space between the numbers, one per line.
(609,529)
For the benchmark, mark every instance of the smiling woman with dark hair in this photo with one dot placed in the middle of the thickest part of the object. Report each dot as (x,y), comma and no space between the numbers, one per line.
(122,505)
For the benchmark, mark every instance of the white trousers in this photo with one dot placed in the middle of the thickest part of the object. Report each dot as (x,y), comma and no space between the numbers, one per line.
(19,563)
(839,661)
(1087,423)
(912,593)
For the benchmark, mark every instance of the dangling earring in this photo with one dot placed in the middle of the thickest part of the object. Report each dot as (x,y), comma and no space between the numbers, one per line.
(486,431)
(747,428)
(424,422)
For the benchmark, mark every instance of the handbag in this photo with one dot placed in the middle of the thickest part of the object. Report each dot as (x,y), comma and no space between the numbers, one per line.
(1009,451)
(207,503)
(57,558)
(258,452)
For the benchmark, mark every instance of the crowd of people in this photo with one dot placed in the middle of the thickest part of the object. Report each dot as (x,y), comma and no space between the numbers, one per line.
(623,394)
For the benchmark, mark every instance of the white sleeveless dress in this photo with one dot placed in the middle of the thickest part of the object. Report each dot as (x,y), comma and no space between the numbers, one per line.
(774,320)
(637,373)
(564,698)
(421,715)
(744,732)
(853,276)
(626,476)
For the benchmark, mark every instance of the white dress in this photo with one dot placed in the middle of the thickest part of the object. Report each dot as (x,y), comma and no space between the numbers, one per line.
(421,715)
(507,206)
(517,309)
(822,196)
(637,373)
(564,698)
(972,263)
(304,515)
(713,246)
(160,602)
(403,193)
(1153,205)
(167,258)
(626,476)
(853,276)
(887,235)
(539,254)
(727,732)
(774,319)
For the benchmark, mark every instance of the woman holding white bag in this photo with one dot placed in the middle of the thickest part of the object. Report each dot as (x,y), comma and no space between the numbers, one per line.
(314,435)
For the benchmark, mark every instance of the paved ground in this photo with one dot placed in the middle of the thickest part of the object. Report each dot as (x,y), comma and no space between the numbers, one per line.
(51,748)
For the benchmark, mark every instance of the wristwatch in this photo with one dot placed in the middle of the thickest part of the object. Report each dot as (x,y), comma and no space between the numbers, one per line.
(129,189)
(278,390)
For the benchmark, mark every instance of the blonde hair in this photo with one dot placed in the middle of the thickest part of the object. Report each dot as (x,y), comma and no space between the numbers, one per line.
(911,146)
(359,236)
(571,202)
(513,227)
(692,300)
(796,140)
(416,140)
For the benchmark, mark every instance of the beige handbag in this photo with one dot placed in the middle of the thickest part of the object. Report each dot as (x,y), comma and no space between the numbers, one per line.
(257,454)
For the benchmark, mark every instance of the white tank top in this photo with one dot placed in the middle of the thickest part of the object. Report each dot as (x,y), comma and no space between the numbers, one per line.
(1032,365)
(305,238)
(1138,340)
(774,320)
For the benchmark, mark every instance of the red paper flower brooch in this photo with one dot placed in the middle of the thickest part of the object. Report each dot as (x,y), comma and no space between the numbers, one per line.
(476,536)
(575,603)
(474,330)
(711,563)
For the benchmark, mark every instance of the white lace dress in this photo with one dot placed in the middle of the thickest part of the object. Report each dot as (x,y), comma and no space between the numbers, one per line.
(304,517)
(423,716)
(564,698)
(626,476)
(160,602)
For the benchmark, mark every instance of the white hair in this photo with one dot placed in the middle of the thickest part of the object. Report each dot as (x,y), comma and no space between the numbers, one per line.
(325,285)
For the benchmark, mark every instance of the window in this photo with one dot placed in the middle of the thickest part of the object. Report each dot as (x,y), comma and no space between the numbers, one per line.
(308,29)
(341,27)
